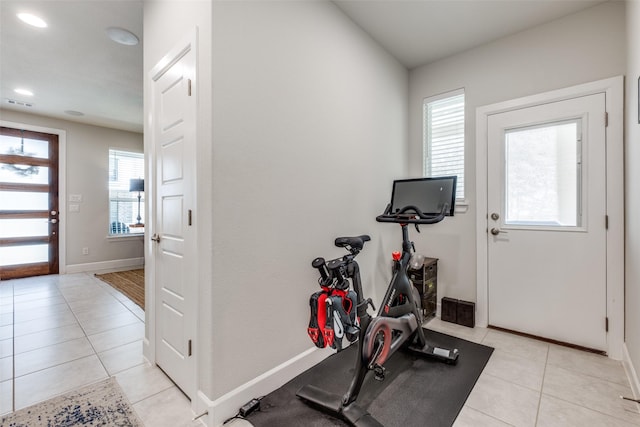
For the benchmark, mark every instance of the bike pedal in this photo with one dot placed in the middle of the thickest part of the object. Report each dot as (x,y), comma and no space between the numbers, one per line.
(379,372)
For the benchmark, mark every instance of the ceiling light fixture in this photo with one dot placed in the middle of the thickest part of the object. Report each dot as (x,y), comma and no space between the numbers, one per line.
(25,92)
(74,113)
(122,36)
(33,20)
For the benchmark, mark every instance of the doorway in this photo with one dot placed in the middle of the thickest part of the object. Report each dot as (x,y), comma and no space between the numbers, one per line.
(173,223)
(550,227)
(29,203)
(547,221)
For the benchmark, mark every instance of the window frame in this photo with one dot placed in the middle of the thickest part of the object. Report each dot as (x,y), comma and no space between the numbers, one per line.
(426,149)
(133,231)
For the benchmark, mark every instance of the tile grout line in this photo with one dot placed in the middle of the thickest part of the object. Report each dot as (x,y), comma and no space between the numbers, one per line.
(544,375)
(13,348)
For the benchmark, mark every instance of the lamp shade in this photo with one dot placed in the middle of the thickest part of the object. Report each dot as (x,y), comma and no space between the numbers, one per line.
(136,185)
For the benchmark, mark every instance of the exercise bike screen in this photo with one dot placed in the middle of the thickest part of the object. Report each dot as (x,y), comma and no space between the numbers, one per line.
(427,194)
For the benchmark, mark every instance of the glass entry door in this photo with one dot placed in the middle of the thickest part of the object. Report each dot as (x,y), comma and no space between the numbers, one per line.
(28,203)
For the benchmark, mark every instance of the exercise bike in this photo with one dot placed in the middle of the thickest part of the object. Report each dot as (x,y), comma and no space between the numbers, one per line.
(399,320)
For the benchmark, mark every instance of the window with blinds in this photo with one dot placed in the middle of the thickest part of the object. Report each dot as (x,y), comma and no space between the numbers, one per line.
(444,137)
(123,203)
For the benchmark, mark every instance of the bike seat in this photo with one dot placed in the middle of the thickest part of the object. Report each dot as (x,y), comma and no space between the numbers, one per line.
(356,242)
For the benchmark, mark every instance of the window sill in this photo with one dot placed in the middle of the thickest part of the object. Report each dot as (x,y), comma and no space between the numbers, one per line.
(125,236)
(462,206)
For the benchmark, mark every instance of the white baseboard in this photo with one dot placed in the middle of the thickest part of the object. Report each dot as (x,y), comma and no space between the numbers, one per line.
(227,405)
(631,372)
(114,265)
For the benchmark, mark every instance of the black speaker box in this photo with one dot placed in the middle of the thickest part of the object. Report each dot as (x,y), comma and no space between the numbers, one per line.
(449,310)
(465,314)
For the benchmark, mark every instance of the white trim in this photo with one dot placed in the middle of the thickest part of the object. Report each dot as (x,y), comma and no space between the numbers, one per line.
(119,237)
(614,98)
(113,265)
(227,405)
(62,184)
(443,95)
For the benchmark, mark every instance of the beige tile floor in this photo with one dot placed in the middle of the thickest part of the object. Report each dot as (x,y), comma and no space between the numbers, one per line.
(64,332)
(68,331)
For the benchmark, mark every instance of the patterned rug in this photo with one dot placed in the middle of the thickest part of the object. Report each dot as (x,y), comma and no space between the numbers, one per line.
(130,283)
(100,404)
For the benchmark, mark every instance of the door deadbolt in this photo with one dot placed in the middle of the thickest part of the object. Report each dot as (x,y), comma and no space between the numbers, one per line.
(495,216)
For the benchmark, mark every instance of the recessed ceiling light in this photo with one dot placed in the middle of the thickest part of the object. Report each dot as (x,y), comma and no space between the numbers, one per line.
(122,36)
(25,92)
(74,113)
(32,20)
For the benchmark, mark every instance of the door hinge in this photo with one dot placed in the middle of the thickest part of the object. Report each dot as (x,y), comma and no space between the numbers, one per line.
(606,222)
(606,324)
(606,119)
(189,350)
(190,217)
(189,87)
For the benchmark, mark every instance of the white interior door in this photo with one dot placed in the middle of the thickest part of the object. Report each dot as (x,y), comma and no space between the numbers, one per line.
(174,231)
(547,221)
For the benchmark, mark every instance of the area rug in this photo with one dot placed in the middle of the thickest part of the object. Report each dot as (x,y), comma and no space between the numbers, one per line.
(415,392)
(100,404)
(130,283)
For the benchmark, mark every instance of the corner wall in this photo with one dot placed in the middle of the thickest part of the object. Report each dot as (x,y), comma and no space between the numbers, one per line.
(632,191)
(166,24)
(309,130)
(579,48)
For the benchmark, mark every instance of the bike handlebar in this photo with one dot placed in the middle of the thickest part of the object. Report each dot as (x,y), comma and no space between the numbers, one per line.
(412,215)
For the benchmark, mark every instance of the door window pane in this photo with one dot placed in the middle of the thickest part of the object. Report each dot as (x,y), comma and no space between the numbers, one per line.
(14,255)
(24,174)
(24,201)
(28,227)
(24,146)
(543,175)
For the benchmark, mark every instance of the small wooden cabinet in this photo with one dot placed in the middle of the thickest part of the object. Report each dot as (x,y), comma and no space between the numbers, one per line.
(425,280)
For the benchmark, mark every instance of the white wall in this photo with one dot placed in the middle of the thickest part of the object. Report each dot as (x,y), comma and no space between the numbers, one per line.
(632,187)
(87,174)
(309,129)
(580,48)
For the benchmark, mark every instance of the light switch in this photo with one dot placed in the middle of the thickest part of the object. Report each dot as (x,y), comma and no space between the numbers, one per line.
(74,208)
(75,197)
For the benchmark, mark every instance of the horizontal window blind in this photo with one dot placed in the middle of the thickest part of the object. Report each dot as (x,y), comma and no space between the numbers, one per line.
(444,138)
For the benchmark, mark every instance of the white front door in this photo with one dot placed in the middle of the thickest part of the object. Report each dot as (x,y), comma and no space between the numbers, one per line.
(547,207)
(174,230)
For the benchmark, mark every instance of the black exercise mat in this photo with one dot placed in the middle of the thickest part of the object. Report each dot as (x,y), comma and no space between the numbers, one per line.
(415,392)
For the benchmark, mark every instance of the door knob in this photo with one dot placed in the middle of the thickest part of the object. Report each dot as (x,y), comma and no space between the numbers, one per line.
(496,231)
(156,238)
(53,221)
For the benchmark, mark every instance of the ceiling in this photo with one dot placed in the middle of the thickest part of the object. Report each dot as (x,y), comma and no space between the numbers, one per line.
(417,32)
(73,66)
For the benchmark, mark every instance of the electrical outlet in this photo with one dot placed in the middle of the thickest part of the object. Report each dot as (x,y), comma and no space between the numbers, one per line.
(85,251)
